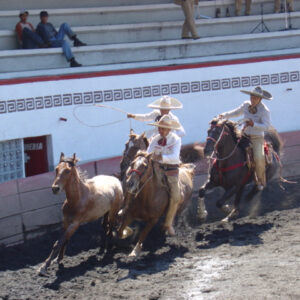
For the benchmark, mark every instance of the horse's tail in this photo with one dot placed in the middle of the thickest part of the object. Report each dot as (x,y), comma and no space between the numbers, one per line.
(191,153)
(273,137)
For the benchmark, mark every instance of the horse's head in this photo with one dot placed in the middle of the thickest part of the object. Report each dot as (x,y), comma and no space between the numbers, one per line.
(134,144)
(138,172)
(218,133)
(63,172)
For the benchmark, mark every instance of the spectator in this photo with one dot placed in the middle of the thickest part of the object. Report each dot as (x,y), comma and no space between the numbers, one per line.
(56,39)
(289,3)
(238,6)
(189,25)
(26,35)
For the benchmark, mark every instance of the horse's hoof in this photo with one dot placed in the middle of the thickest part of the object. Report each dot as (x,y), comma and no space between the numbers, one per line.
(136,251)
(226,209)
(126,233)
(133,254)
(202,215)
(225,220)
(56,261)
(42,271)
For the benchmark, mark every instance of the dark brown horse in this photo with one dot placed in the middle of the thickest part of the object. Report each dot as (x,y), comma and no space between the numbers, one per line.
(133,145)
(229,168)
(147,195)
(86,200)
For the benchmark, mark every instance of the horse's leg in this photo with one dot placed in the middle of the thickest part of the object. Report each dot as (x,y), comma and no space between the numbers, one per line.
(57,246)
(124,231)
(64,245)
(220,203)
(252,193)
(202,212)
(138,247)
(104,233)
(234,212)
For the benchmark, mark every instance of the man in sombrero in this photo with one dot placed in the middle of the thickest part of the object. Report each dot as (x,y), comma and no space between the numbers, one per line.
(165,147)
(162,106)
(257,121)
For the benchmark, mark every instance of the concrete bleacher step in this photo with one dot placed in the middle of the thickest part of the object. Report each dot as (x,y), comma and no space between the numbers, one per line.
(159,31)
(42,59)
(128,14)
(45,4)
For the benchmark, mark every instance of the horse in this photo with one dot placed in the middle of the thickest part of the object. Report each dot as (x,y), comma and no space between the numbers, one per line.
(230,169)
(133,145)
(147,195)
(86,200)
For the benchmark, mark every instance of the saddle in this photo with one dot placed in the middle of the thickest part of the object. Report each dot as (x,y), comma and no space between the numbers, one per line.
(268,150)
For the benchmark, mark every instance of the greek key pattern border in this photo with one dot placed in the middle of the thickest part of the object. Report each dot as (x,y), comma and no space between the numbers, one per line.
(95,97)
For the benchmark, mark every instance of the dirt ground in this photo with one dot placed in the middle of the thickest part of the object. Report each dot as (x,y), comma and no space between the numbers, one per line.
(250,258)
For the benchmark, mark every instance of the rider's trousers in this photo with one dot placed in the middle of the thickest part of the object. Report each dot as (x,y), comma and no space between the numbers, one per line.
(259,158)
(175,196)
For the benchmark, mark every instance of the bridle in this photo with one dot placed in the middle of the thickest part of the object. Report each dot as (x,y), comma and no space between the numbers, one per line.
(141,175)
(214,154)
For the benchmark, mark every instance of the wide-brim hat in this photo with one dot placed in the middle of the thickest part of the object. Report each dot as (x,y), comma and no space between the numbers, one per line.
(166,102)
(258,91)
(23,12)
(166,122)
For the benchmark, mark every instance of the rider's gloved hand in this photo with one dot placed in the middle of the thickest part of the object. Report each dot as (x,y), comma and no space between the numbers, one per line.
(130,116)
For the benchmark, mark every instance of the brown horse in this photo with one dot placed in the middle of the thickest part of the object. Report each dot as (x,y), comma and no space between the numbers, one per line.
(229,169)
(86,201)
(147,195)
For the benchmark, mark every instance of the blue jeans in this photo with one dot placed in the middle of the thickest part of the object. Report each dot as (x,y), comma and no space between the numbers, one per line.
(58,40)
(30,39)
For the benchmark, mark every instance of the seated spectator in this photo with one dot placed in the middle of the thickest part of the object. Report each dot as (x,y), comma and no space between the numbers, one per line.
(56,39)
(26,35)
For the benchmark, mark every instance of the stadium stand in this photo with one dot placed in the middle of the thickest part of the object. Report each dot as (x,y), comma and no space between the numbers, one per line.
(141,31)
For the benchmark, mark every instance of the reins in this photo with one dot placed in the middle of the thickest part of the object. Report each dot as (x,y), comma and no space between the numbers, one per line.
(216,146)
(140,175)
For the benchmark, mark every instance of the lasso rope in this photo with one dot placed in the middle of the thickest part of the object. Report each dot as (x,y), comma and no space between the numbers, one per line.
(103,124)
(98,125)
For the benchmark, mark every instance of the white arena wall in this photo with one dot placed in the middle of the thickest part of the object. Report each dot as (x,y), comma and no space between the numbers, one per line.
(34,108)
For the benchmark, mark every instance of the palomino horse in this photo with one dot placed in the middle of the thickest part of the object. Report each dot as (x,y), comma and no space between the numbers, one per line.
(86,201)
(147,195)
(229,169)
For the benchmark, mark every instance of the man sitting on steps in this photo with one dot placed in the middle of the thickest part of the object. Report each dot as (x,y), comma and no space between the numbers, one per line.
(56,39)
(26,35)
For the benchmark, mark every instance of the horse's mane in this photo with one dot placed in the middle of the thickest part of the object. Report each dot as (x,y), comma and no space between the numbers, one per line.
(236,134)
(141,153)
(83,175)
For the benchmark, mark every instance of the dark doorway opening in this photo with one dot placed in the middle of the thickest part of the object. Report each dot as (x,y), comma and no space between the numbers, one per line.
(36,156)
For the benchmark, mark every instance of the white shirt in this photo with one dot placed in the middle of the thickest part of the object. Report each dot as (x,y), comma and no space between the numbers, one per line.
(152,116)
(261,118)
(170,152)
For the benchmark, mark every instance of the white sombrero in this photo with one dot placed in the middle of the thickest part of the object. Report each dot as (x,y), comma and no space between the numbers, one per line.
(166,102)
(166,122)
(258,91)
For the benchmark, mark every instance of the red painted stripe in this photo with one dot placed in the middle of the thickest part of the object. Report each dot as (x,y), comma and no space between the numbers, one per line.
(144,70)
